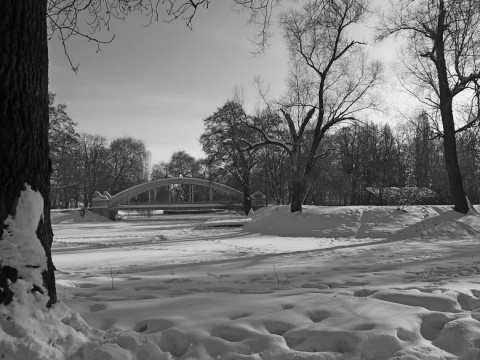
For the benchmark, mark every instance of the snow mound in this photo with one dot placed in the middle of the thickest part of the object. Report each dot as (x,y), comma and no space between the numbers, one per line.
(30,332)
(225,221)
(75,216)
(362,222)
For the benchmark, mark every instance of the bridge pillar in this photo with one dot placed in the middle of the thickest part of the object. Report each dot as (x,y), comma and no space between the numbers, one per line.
(210,195)
(191,194)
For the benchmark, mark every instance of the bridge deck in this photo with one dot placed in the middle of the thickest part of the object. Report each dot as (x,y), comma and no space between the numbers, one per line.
(175,205)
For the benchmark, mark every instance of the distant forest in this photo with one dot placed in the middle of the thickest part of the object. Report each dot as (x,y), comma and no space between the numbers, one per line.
(353,157)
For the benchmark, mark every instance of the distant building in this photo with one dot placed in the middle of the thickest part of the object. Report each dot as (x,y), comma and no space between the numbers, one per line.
(410,195)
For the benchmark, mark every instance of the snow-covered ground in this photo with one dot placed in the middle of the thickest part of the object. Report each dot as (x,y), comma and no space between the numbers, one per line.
(328,283)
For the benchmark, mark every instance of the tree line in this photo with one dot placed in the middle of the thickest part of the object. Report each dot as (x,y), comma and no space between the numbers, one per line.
(330,85)
(84,163)
(355,156)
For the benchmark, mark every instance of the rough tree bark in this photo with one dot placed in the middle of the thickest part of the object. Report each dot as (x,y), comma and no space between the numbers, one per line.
(298,181)
(298,193)
(451,160)
(24,152)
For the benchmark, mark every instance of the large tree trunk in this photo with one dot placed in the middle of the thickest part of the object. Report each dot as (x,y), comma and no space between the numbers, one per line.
(298,193)
(298,181)
(299,189)
(247,200)
(85,194)
(451,162)
(24,153)
(446,111)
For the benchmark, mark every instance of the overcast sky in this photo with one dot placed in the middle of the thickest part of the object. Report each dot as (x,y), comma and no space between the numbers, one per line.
(158,83)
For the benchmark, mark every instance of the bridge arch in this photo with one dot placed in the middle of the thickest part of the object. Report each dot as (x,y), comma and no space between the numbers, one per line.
(124,195)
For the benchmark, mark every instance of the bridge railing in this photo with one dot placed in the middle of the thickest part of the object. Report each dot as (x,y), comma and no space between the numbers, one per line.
(140,203)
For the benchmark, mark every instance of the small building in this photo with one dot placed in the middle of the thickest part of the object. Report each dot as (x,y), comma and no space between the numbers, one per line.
(409,195)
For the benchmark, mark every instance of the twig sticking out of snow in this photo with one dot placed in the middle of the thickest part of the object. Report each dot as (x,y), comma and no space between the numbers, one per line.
(278,280)
(112,275)
(216,277)
(275,272)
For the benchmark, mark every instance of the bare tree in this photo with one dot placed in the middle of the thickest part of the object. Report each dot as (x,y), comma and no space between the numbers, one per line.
(92,155)
(222,142)
(331,82)
(63,140)
(159,171)
(443,66)
(182,164)
(126,161)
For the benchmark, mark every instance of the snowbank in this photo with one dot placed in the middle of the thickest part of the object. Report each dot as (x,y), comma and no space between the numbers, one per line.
(69,216)
(360,222)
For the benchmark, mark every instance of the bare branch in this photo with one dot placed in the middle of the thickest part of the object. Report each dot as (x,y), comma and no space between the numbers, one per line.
(267,140)
(185,9)
(260,12)
(87,18)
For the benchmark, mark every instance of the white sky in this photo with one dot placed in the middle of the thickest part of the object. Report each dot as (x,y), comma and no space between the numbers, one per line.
(158,83)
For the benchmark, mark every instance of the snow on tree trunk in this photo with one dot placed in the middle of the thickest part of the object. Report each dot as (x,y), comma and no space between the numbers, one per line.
(21,251)
(27,329)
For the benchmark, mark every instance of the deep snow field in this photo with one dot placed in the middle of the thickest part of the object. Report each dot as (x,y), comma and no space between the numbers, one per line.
(329,283)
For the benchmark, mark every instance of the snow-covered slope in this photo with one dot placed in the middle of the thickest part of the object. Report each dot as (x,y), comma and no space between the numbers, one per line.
(70,216)
(387,222)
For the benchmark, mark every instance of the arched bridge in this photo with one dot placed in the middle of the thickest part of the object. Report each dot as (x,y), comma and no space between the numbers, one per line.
(179,194)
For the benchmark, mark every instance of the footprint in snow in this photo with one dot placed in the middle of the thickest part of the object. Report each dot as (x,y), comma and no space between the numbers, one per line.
(151,326)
